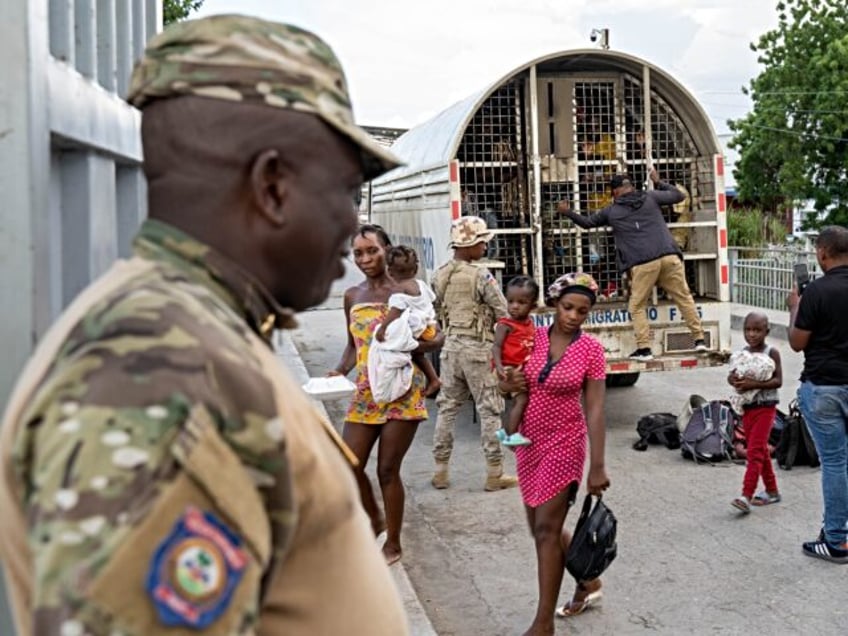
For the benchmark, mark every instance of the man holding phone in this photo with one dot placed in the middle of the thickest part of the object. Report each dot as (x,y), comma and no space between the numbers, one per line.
(802,277)
(817,326)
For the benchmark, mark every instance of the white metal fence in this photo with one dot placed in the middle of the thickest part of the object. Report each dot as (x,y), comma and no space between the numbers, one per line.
(71,189)
(762,277)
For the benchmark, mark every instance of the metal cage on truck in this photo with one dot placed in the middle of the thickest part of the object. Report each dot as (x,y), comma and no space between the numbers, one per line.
(558,128)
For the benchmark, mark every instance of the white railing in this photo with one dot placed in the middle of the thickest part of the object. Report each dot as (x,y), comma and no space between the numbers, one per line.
(762,277)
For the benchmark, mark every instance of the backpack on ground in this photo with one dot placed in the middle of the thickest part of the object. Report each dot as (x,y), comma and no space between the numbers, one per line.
(796,447)
(657,428)
(708,436)
(692,404)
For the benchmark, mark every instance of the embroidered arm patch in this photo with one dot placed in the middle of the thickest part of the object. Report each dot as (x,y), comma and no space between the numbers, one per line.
(195,571)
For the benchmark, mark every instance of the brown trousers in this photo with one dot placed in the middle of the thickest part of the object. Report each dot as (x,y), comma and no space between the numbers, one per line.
(668,273)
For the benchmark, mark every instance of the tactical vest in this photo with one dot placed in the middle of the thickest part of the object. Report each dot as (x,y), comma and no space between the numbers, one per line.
(461,311)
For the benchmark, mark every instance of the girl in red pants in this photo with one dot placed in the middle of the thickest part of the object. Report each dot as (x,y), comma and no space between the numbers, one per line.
(758,413)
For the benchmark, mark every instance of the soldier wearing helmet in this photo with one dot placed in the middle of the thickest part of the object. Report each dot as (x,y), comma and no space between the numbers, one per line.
(469,301)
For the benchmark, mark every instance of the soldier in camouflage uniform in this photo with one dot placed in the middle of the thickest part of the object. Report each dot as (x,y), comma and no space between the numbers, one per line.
(469,301)
(159,471)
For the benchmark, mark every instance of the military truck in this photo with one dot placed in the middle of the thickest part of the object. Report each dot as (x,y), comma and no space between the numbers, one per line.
(556,128)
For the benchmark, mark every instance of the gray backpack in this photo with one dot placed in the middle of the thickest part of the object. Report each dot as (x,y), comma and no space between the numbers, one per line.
(708,436)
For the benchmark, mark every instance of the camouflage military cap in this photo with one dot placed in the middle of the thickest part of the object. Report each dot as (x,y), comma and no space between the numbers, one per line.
(240,58)
(469,230)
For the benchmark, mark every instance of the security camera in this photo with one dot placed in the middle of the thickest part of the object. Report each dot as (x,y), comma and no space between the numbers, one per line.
(602,35)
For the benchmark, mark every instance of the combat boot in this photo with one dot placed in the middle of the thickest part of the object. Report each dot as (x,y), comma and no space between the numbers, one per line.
(496,480)
(440,479)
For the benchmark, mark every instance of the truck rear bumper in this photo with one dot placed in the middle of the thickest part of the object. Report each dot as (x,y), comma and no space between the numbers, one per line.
(672,362)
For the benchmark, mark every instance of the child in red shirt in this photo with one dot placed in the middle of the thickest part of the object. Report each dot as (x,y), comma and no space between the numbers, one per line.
(513,343)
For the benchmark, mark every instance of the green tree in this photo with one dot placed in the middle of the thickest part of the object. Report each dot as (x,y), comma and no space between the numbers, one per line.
(176,10)
(793,144)
(750,227)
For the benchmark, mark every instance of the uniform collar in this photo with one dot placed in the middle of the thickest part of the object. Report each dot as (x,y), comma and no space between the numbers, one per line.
(239,289)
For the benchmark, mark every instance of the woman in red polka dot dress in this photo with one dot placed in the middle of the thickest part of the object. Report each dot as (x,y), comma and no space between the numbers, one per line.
(566,365)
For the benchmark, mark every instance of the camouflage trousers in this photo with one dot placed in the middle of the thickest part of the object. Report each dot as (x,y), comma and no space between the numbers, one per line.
(466,371)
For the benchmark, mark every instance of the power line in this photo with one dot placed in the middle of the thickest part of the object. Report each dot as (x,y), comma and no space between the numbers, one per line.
(751,92)
(800,92)
(797,133)
(790,111)
(725,104)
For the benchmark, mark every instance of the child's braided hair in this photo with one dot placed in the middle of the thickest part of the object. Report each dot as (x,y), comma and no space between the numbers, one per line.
(402,258)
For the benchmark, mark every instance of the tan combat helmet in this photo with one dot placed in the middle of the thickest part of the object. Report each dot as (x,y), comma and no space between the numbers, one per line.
(468,231)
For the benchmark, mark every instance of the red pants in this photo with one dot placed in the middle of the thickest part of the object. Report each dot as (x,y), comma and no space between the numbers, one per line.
(757,423)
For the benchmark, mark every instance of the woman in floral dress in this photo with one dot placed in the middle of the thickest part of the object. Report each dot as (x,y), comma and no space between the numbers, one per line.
(565,371)
(394,424)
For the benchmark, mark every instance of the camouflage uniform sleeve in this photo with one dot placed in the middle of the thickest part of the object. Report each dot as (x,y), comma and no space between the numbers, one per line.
(152,454)
(490,293)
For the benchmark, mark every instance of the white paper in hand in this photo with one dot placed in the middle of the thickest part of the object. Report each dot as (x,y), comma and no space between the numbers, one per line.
(332,388)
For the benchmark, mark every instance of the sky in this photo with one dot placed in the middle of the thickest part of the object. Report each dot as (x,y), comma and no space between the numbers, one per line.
(407,61)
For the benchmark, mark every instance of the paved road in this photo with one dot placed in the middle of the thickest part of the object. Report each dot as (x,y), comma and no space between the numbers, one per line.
(687,562)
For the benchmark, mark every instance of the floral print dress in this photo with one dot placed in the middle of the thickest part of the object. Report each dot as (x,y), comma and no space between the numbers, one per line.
(364,320)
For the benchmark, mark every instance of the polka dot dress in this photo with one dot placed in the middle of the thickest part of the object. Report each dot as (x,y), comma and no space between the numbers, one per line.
(554,418)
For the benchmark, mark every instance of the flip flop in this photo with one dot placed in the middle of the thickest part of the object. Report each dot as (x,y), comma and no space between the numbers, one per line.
(573,608)
(742,503)
(764,498)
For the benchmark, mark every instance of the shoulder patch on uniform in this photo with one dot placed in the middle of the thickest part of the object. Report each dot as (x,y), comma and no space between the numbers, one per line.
(195,571)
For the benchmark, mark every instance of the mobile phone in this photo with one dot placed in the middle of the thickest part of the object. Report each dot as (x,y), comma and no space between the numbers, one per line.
(802,277)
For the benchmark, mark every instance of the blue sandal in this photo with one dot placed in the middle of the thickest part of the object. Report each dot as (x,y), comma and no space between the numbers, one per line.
(516,439)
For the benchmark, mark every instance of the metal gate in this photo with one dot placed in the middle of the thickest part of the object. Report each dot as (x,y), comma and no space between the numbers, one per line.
(493,176)
(71,187)
(583,130)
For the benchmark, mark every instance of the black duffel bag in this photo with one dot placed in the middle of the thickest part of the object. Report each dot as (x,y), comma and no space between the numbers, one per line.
(796,446)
